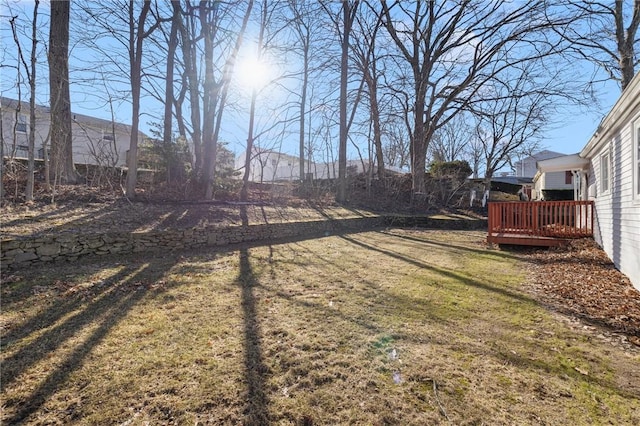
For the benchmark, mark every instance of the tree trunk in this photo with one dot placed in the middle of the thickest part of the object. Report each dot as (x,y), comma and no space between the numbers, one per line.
(419,146)
(244,192)
(625,42)
(32,107)
(347,17)
(226,78)
(168,88)
(191,75)
(62,167)
(136,37)
(303,102)
(375,118)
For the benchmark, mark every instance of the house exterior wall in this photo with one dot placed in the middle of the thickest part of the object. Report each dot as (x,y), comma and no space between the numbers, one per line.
(556,180)
(272,166)
(617,206)
(527,166)
(550,180)
(94,141)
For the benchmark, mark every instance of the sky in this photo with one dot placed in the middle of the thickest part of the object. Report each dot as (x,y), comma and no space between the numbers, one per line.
(570,133)
(575,128)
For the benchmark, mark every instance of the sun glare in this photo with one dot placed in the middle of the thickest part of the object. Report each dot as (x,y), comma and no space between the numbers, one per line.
(253,73)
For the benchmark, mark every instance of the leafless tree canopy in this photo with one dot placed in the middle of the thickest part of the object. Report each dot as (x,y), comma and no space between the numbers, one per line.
(393,84)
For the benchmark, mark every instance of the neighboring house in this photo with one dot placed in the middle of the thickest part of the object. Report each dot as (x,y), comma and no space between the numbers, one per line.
(270,166)
(95,141)
(561,176)
(527,166)
(273,166)
(607,171)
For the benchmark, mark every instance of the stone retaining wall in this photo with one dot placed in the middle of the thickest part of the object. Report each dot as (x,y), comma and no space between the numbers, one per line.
(22,252)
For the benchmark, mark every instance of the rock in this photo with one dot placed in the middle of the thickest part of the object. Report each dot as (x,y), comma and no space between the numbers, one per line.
(25,257)
(48,250)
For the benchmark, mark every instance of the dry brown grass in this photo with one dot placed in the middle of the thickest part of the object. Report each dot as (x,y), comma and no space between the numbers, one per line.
(395,327)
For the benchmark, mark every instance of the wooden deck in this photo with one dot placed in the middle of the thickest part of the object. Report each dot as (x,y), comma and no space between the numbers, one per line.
(539,223)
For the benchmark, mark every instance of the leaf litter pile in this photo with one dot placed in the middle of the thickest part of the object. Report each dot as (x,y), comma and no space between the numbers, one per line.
(581,281)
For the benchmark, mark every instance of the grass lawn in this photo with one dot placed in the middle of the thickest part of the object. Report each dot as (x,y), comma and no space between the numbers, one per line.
(391,327)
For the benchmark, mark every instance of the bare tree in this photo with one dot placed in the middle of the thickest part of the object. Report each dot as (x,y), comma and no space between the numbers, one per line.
(344,27)
(62,167)
(450,140)
(252,109)
(137,34)
(32,106)
(396,151)
(366,59)
(222,93)
(451,49)
(605,34)
(31,78)
(510,118)
(172,44)
(208,41)
(303,24)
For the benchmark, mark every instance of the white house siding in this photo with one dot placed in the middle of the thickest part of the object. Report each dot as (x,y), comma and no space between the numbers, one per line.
(556,180)
(617,224)
(92,145)
(90,136)
(270,166)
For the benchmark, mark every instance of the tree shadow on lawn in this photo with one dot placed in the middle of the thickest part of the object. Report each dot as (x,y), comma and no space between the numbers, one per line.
(256,409)
(442,271)
(107,216)
(108,306)
(484,252)
(44,215)
(119,216)
(504,354)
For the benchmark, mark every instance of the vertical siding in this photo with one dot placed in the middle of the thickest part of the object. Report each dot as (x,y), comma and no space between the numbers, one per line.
(617,213)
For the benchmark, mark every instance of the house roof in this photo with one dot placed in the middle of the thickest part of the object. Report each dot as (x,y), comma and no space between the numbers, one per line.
(561,164)
(628,103)
(85,120)
(540,155)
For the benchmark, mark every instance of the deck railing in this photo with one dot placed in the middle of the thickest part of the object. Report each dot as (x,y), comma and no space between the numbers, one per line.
(560,219)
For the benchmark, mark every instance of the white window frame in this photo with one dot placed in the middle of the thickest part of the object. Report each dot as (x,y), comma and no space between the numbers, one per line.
(605,181)
(636,159)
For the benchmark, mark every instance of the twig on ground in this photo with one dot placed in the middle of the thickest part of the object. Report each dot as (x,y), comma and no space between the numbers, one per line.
(435,392)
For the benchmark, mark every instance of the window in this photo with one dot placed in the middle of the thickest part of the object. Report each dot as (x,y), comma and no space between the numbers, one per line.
(568,177)
(41,153)
(21,125)
(108,138)
(274,162)
(605,172)
(636,160)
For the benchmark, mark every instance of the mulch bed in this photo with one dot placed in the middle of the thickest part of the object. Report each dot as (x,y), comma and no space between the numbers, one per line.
(582,282)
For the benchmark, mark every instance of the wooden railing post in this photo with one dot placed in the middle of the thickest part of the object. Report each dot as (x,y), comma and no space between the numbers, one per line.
(562,219)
